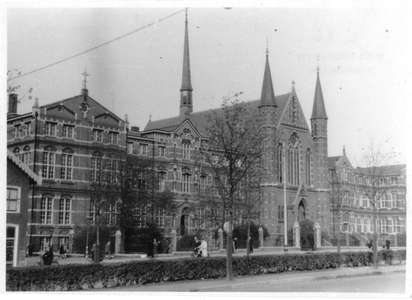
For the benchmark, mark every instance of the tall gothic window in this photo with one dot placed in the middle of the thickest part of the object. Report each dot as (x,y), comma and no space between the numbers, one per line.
(186,183)
(64,210)
(26,155)
(186,150)
(293,161)
(308,167)
(279,163)
(46,210)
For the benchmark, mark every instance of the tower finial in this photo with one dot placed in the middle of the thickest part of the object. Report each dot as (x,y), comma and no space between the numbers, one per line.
(186,16)
(317,69)
(267,46)
(85,81)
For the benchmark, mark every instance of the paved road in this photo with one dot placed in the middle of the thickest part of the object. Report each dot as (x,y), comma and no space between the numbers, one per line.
(391,283)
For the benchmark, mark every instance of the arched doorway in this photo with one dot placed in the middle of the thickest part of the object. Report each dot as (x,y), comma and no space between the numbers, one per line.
(302,210)
(184,221)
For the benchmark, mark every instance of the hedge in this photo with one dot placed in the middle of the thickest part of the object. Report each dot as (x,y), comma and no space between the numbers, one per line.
(80,276)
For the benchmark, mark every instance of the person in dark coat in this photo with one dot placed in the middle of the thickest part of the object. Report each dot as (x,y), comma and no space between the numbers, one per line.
(30,248)
(388,244)
(155,245)
(48,256)
(150,247)
(62,251)
(250,244)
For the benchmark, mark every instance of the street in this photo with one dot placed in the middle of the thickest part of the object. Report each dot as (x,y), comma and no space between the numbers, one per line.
(391,283)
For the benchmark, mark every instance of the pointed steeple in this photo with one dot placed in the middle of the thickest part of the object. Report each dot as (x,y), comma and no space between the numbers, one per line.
(186,101)
(319,111)
(186,82)
(268,94)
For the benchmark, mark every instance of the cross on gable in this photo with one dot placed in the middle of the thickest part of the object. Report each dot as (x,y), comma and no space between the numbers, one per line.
(85,80)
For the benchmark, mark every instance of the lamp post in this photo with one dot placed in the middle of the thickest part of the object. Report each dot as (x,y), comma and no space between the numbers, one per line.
(87,236)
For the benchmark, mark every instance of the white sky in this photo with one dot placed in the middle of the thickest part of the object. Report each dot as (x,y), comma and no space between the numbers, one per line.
(364,54)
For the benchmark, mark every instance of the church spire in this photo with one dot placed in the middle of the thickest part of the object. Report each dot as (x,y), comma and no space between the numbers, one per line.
(268,94)
(186,104)
(319,111)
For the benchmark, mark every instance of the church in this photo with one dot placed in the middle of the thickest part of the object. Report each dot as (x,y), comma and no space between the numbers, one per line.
(64,141)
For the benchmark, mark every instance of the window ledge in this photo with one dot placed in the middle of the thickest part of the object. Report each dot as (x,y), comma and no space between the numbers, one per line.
(49,181)
(67,182)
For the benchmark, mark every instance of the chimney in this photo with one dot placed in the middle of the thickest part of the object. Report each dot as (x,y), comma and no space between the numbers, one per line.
(135,128)
(12,103)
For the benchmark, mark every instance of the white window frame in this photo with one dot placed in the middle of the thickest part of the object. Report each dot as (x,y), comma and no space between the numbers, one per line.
(186,180)
(186,150)
(113,137)
(49,162)
(67,131)
(15,240)
(46,209)
(14,187)
(67,165)
(65,210)
(50,128)
(98,135)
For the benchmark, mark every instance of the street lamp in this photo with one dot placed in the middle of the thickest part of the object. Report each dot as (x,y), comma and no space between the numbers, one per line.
(87,236)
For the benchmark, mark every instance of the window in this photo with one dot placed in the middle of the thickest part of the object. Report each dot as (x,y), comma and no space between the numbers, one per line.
(186,150)
(26,156)
(200,218)
(364,200)
(293,164)
(186,183)
(27,129)
(16,152)
(64,210)
(96,167)
(143,149)
(140,215)
(279,163)
(10,245)
(13,199)
(98,135)
(308,167)
(46,210)
(113,172)
(113,138)
(44,243)
(49,160)
(130,148)
(385,225)
(50,128)
(141,182)
(358,224)
(202,189)
(17,131)
(162,180)
(67,165)
(162,151)
(160,218)
(395,200)
(396,225)
(281,213)
(68,131)
(111,215)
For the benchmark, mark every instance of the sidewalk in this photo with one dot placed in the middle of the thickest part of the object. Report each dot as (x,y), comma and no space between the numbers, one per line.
(211,285)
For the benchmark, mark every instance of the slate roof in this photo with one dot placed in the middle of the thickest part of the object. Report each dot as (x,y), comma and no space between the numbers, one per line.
(199,118)
(384,170)
(332,161)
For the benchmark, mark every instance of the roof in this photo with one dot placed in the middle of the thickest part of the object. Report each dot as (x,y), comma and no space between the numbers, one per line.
(25,168)
(199,118)
(319,110)
(268,94)
(332,161)
(383,170)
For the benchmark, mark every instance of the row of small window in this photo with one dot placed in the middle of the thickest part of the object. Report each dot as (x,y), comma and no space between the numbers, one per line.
(143,150)
(46,210)
(46,241)
(358,179)
(365,225)
(23,130)
(387,200)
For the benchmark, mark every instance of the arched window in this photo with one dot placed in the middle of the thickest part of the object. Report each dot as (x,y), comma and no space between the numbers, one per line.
(49,162)
(293,160)
(67,164)
(96,166)
(113,172)
(384,225)
(186,179)
(161,177)
(308,167)
(26,155)
(186,150)
(279,162)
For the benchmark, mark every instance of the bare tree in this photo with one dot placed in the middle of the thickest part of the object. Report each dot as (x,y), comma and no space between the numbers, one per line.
(339,200)
(235,148)
(375,167)
(12,87)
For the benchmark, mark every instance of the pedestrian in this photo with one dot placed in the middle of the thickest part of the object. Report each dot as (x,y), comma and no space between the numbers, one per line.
(94,252)
(250,244)
(155,244)
(388,244)
(107,250)
(234,245)
(203,248)
(30,249)
(370,244)
(48,256)
(167,246)
(62,251)
(149,248)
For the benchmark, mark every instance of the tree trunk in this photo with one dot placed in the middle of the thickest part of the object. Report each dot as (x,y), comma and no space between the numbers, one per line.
(122,238)
(375,246)
(338,235)
(229,250)
(248,237)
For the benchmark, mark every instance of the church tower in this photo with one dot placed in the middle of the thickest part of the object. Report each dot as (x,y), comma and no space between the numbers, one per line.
(186,101)
(267,112)
(319,122)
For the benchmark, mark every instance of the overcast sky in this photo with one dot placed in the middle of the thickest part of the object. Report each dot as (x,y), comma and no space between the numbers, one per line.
(364,55)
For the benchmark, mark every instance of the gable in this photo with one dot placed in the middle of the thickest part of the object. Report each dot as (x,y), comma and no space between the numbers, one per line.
(61,111)
(292,114)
